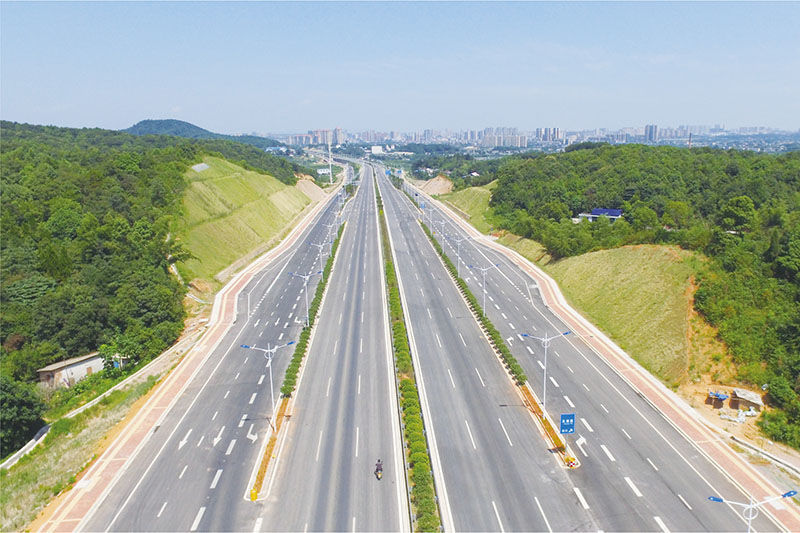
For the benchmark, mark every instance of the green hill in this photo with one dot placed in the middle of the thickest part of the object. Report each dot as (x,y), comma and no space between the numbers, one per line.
(230,212)
(474,203)
(180,128)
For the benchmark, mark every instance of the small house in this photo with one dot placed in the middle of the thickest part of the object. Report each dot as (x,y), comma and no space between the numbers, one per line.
(612,214)
(69,371)
(745,399)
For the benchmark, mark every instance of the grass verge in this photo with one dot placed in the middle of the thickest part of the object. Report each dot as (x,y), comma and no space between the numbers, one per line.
(474,203)
(423,492)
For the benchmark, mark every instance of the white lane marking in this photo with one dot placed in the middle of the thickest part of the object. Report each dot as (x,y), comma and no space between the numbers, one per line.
(437,340)
(661,524)
(361,345)
(336,342)
(529,350)
(328,390)
(497,307)
(356,441)
(197,519)
(492,299)
(608,453)
(245,361)
(652,464)
(626,433)
(200,441)
(462,339)
(261,379)
(319,445)
(183,472)
(546,522)
(685,502)
(359,384)
(422,292)
(569,402)
(633,487)
(557,354)
(585,423)
(363,294)
(498,517)
(253,398)
(570,369)
(280,337)
(340,320)
(226,394)
(585,387)
(219,436)
(541,365)
(504,431)
(230,447)
(449,313)
(262,332)
(581,498)
(286,325)
(257,527)
(440,291)
(294,306)
(161,510)
(236,376)
(362,317)
(521,338)
(479,376)
(416,276)
(241,420)
(451,378)
(470,435)
(354,523)
(553,381)
(429,313)
(604,408)
(504,316)
(512,325)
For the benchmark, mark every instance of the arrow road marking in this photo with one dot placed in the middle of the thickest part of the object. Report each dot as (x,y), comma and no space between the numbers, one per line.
(219,436)
(250,435)
(182,443)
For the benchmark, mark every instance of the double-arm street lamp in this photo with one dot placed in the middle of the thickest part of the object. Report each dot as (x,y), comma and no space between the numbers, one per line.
(545,343)
(269,353)
(305,277)
(458,251)
(484,270)
(750,510)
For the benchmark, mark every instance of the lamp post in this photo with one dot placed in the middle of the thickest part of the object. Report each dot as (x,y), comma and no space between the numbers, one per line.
(305,287)
(484,270)
(458,252)
(545,343)
(319,246)
(269,353)
(750,510)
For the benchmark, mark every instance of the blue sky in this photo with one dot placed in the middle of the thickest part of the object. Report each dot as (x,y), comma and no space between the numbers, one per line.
(279,67)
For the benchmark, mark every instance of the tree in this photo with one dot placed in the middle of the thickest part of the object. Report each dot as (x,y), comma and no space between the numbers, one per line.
(20,416)
(739,214)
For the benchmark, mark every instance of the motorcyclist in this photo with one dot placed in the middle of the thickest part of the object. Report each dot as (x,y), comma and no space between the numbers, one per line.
(379,466)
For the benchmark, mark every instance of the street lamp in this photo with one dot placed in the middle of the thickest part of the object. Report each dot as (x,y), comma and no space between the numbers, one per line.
(545,343)
(269,353)
(750,510)
(305,287)
(484,270)
(458,251)
(319,246)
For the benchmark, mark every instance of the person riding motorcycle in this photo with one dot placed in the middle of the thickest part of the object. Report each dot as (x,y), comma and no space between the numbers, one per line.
(378,466)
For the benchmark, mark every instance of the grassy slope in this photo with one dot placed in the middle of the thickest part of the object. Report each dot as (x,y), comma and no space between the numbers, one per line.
(638,295)
(474,201)
(230,211)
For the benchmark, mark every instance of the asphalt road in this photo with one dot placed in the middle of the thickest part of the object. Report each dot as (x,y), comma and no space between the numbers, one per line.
(638,472)
(193,471)
(345,415)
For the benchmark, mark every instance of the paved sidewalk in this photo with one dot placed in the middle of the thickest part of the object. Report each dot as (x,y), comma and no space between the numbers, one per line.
(98,480)
(674,408)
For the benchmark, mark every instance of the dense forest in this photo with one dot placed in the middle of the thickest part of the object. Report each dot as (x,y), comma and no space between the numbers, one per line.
(742,209)
(463,170)
(179,128)
(86,245)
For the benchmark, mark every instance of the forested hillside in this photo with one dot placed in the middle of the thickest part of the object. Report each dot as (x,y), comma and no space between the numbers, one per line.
(740,208)
(86,243)
(180,128)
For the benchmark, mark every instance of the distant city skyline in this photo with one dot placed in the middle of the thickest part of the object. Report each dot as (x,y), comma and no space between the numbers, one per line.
(287,67)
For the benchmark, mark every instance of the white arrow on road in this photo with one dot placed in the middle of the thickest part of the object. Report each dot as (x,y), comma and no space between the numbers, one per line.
(219,436)
(579,443)
(182,443)
(250,435)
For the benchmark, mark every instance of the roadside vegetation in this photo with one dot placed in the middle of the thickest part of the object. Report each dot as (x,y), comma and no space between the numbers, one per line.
(423,492)
(741,210)
(474,203)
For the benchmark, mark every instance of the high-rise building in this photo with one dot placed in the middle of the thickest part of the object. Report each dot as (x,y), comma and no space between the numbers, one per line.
(651,133)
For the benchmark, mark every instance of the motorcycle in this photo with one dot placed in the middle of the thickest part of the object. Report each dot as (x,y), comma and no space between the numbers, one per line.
(379,470)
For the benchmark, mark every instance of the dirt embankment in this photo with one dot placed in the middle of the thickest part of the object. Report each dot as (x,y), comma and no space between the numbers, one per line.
(438,185)
(310,189)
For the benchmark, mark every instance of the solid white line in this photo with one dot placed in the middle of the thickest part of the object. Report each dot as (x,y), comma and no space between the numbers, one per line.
(183,471)
(479,376)
(498,517)
(462,339)
(626,433)
(633,487)
(581,498)
(437,340)
(608,453)
(585,423)
(569,402)
(356,441)
(553,381)
(261,379)
(319,444)
(257,527)
(604,408)
(504,431)
(216,479)
(253,397)
(685,502)
(661,524)
(230,447)
(546,522)
(161,510)
(651,464)
(359,384)
(197,519)
(470,435)
(328,390)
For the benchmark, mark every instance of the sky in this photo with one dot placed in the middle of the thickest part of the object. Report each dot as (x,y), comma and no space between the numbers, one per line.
(290,67)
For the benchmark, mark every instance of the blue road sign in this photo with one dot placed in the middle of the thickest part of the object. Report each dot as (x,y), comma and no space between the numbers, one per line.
(568,423)
(388,172)
(422,205)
